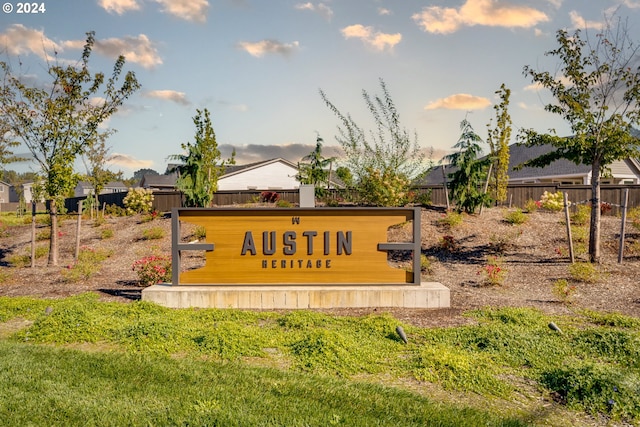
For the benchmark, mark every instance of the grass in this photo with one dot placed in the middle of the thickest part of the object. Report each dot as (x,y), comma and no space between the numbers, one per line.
(155,366)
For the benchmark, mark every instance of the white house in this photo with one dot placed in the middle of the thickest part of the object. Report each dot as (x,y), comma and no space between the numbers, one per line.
(84,188)
(274,174)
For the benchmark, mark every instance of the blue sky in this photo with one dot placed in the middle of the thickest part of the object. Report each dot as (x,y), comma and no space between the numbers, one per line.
(258,65)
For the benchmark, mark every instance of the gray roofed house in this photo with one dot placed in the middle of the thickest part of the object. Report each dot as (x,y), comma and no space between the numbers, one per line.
(159,182)
(561,171)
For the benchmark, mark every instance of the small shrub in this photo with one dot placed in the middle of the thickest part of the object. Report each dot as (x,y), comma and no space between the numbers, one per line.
(448,244)
(200,232)
(584,272)
(532,205)
(153,233)
(87,265)
(552,201)
(581,215)
(516,217)
(43,235)
(450,219)
(115,210)
(493,274)
(564,291)
(4,229)
(106,233)
(426,266)
(151,216)
(283,204)
(138,200)
(153,269)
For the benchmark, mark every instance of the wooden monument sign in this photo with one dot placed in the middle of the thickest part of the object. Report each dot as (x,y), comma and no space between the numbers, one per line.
(296,258)
(313,246)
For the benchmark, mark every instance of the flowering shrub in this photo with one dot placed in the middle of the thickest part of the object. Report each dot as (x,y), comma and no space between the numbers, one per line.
(552,201)
(605,208)
(269,197)
(564,291)
(151,216)
(153,269)
(138,200)
(493,274)
(532,205)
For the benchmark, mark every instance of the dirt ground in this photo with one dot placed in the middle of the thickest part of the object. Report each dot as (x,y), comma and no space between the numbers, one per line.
(533,256)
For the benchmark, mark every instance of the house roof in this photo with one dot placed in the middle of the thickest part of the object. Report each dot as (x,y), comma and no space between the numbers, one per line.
(519,154)
(231,170)
(158,181)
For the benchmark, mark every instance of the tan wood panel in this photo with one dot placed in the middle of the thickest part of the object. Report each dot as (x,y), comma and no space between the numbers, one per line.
(300,243)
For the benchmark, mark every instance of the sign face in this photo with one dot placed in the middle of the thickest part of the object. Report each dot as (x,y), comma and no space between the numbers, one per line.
(296,246)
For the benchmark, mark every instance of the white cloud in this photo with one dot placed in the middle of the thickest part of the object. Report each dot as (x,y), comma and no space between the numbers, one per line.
(579,22)
(460,101)
(259,49)
(446,20)
(119,6)
(190,10)
(20,40)
(375,39)
(631,4)
(321,9)
(128,162)
(139,50)
(383,11)
(168,95)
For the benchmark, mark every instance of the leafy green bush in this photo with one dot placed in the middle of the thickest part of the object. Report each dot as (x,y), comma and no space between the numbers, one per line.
(384,188)
(581,215)
(138,200)
(106,233)
(531,206)
(516,217)
(115,210)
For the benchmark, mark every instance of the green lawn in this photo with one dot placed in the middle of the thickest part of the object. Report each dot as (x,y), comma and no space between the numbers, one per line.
(78,361)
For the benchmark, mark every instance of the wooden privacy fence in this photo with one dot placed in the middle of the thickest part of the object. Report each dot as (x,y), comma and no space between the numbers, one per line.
(517,196)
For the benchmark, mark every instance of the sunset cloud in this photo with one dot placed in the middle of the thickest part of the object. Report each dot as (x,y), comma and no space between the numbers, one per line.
(579,22)
(375,39)
(460,101)
(168,95)
(139,50)
(119,6)
(20,40)
(321,9)
(263,47)
(189,10)
(128,162)
(446,20)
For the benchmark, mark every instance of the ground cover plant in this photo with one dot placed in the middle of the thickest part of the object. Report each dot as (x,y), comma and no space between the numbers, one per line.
(591,366)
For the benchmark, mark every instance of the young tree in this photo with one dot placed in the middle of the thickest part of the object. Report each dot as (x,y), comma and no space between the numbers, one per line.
(498,139)
(389,153)
(95,161)
(57,122)
(200,166)
(313,168)
(470,171)
(598,93)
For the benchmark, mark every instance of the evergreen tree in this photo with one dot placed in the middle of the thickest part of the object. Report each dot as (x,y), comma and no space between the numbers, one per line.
(470,171)
(498,139)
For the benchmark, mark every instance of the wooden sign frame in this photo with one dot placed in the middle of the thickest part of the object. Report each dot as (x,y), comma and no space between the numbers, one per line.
(296,246)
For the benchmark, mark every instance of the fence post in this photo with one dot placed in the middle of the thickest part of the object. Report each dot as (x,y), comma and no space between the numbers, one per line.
(33,234)
(624,203)
(568,221)
(77,252)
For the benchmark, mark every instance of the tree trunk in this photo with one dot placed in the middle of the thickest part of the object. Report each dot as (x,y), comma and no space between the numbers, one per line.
(594,224)
(53,241)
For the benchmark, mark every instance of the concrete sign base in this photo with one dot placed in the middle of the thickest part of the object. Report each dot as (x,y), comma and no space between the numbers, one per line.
(425,295)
